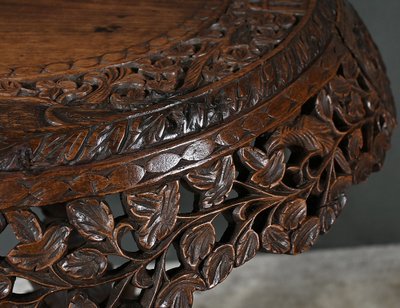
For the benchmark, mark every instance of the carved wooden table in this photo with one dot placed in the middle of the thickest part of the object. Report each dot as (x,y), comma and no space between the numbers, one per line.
(261,113)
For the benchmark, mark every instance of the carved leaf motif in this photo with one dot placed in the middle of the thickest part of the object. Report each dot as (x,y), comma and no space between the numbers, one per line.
(273,171)
(26,226)
(198,150)
(155,212)
(327,218)
(246,247)
(340,86)
(81,300)
(355,110)
(306,235)
(197,243)
(215,182)
(179,292)
(350,68)
(340,185)
(92,183)
(84,263)
(43,253)
(355,144)
(253,158)
(275,239)
(308,133)
(269,171)
(230,137)
(193,75)
(338,204)
(75,144)
(92,218)
(154,129)
(149,130)
(381,145)
(342,161)
(293,213)
(323,105)
(163,162)
(5,286)
(126,175)
(218,265)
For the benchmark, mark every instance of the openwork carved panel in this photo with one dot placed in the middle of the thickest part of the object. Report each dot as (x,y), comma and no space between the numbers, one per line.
(264,119)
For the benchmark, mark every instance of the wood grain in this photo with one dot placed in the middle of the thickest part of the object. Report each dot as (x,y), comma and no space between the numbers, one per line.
(262,112)
(41,32)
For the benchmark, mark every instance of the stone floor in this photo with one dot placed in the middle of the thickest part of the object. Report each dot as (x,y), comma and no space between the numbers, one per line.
(365,277)
(343,278)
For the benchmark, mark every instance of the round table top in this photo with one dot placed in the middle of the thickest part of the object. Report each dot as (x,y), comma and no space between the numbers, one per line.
(86,86)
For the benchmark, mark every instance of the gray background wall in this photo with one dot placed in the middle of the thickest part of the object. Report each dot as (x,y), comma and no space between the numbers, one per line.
(372,215)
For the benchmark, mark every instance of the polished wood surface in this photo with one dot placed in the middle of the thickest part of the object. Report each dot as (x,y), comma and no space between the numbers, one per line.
(42,31)
(212,131)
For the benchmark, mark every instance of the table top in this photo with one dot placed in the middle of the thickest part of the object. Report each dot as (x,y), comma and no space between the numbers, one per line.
(90,86)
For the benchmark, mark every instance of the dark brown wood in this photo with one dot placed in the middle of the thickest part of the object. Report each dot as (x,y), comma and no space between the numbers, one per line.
(264,112)
(42,32)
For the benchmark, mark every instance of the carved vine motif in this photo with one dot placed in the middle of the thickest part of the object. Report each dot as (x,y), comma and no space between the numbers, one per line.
(290,184)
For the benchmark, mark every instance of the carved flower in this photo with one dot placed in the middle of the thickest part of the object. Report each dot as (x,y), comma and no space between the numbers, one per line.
(125,98)
(128,92)
(161,76)
(230,60)
(217,70)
